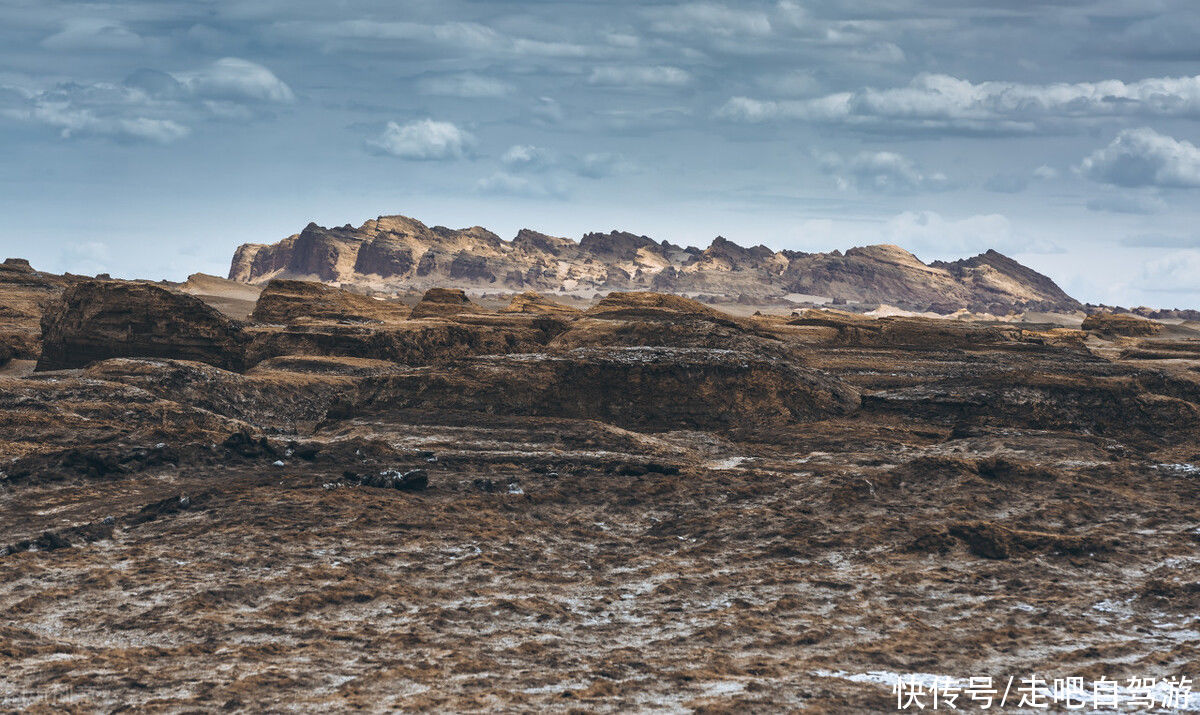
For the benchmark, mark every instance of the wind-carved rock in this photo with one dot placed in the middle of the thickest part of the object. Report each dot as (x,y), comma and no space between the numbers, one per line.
(97,320)
(399,253)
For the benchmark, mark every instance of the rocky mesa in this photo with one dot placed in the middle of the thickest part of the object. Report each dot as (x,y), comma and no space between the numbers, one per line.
(392,253)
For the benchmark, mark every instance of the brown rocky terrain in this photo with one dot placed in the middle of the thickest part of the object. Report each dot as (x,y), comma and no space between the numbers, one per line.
(329,503)
(397,252)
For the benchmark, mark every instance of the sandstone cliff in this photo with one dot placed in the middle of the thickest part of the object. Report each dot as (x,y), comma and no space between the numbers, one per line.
(398,253)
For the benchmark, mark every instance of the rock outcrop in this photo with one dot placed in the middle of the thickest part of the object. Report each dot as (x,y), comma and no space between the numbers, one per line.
(443,302)
(538,304)
(1121,324)
(654,388)
(400,253)
(97,320)
(25,294)
(286,301)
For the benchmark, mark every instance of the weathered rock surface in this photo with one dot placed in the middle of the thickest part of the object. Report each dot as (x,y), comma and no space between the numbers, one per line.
(286,301)
(412,342)
(651,388)
(397,252)
(25,294)
(443,302)
(97,320)
(1121,324)
(538,304)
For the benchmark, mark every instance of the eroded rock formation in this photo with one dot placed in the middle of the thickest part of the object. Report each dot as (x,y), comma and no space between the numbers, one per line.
(96,320)
(400,253)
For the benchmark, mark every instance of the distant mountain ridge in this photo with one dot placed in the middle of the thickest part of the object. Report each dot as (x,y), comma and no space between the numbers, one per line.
(401,253)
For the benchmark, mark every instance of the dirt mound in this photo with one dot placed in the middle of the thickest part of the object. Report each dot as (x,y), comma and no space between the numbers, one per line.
(538,304)
(443,302)
(1120,324)
(287,301)
(96,320)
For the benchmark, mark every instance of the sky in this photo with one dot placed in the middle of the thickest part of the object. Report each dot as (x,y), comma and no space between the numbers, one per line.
(149,139)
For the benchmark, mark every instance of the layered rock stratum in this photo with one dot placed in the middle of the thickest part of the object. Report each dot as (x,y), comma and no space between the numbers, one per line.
(401,253)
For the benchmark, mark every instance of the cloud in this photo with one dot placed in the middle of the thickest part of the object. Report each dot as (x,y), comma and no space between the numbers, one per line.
(1045,173)
(1015,183)
(1177,272)
(524,158)
(936,102)
(465,85)
(423,140)
(661,76)
(790,83)
(151,105)
(506,184)
(73,122)
(1143,157)
(94,34)
(1161,240)
(548,110)
(882,172)
(355,34)
(1165,36)
(1128,204)
(86,258)
(237,80)
(708,19)
(928,233)
(1006,183)
(456,37)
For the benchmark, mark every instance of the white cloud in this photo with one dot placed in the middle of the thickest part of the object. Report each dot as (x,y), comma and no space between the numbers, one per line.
(532,159)
(525,156)
(660,76)
(352,33)
(1178,271)
(790,83)
(1014,183)
(931,235)
(94,34)
(1045,173)
(86,258)
(152,105)
(424,140)
(76,122)
(505,184)
(235,79)
(708,19)
(1143,157)
(942,102)
(1143,204)
(928,234)
(548,110)
(1161,240)
(466,85)
(882,172)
